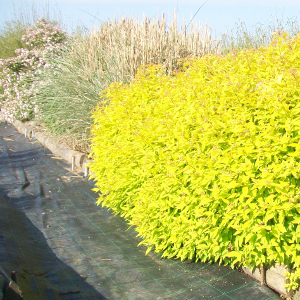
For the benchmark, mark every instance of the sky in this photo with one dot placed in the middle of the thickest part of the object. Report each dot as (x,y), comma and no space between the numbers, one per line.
(222,16)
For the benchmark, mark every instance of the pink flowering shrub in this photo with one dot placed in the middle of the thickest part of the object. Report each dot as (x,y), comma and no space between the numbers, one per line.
(19,77)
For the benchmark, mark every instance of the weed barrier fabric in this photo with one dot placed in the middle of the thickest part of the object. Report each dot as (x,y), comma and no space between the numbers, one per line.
(62,246)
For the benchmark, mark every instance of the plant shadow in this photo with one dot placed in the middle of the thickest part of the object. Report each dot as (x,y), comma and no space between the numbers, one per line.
(38,271)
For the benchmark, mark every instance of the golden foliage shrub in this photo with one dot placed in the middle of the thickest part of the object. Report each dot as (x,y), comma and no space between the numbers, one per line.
(205,163)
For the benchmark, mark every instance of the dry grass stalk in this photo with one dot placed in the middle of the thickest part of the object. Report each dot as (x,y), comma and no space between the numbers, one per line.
(120,47)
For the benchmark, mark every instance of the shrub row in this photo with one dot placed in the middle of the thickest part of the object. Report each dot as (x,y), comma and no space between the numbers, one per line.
(205,162)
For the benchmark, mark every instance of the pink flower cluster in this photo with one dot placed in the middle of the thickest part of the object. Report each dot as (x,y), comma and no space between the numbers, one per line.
(19,78)
(44,34)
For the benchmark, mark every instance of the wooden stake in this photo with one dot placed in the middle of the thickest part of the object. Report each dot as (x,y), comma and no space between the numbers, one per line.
(73,163)
(262,275)
(86,171)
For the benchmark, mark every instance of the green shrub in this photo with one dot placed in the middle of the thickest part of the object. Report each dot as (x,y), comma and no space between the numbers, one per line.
(20,75)
(205,163)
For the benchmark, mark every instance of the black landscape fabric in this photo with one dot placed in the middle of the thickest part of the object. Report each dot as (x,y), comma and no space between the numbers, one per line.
(62,246)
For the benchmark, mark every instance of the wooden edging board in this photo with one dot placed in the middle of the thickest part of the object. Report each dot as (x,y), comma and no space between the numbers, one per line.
(274,277)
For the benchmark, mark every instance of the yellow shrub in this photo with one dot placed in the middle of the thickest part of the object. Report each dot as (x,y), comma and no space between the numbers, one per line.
(205,163)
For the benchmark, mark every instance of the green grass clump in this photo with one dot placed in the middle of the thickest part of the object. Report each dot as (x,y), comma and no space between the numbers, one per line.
(260,35)
(69,93)
(205,163)
(10,38)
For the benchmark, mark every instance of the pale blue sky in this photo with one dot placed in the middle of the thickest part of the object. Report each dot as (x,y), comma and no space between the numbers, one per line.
(220,16)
